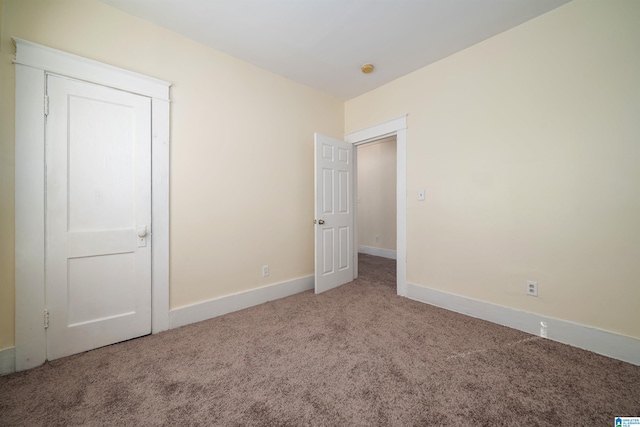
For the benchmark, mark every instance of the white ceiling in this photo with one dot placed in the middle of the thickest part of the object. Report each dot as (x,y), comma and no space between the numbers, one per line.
(323,43)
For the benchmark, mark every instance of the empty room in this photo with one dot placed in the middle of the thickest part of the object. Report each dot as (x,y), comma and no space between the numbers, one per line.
(319,212)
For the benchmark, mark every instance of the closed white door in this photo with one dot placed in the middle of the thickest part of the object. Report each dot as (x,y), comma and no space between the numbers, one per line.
(98,216)
(334,263)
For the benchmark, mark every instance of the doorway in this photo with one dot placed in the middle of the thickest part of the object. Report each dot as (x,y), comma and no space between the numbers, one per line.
(342,199)
(376,219)
(392,128)
(32,64)
(98,211)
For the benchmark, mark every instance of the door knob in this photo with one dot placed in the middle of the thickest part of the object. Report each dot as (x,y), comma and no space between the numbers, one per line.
(142,231)
(321,221)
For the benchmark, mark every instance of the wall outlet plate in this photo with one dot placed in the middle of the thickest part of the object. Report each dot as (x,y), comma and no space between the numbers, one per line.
(532,288)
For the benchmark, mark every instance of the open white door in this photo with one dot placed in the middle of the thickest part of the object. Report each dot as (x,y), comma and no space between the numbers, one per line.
(98,216)
(334,264)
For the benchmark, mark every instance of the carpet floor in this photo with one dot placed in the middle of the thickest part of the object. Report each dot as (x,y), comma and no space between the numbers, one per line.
(358,355)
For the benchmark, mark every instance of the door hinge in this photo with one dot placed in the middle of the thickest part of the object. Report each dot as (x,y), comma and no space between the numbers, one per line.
(46,318)
(46,105)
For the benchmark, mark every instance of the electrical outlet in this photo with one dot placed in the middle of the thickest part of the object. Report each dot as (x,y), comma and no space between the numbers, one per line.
(532,288)
(377,238)
(265,270)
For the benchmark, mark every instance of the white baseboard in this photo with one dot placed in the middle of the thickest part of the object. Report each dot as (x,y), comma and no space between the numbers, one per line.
(370,250)
(597,340)
(7,360)
(230,303)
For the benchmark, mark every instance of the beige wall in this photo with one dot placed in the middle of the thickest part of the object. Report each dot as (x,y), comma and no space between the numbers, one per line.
(6,195)
(241,149)
(528,147)
(377,194)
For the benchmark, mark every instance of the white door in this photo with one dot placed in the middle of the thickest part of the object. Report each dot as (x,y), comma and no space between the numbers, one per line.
(334,236)
(98,216)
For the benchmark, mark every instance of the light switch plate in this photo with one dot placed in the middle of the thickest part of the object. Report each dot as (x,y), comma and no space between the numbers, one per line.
(421,194)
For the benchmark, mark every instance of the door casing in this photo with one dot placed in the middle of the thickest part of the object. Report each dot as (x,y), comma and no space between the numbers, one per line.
(32,63)
(397,127)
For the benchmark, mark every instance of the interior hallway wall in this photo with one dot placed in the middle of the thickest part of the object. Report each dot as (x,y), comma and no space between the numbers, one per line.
(377,194)
(527,146)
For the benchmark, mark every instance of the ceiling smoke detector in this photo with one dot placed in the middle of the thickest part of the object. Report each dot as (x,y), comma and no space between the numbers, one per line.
(367,68)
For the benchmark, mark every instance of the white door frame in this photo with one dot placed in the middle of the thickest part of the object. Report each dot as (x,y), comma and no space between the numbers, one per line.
(32,63)
(397,127)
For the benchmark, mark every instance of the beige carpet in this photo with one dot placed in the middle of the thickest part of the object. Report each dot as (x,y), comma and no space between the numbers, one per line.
(357,355)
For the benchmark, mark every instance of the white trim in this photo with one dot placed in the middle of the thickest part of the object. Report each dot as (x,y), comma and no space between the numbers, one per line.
(385,253)
(160,150)
(378,131)
(7,360)
(67,64)
(354,203)
(597,340)
(227,304)
(30,338)
(32,64)
(397,127)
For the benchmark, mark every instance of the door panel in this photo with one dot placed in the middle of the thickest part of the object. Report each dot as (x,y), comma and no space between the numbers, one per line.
(98,190)
(345,256)
(327,194)
(93,297)
(343,182)
(327,256)
(334,213)
(95,162)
